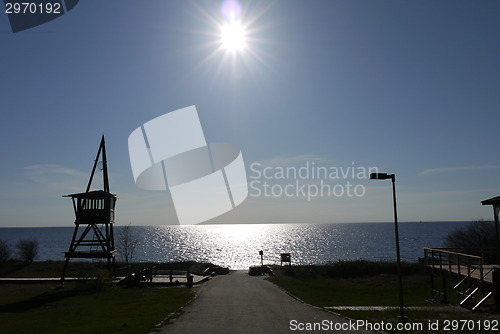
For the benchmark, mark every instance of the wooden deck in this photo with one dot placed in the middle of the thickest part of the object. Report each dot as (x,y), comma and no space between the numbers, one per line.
(474,278)
(459,265)
(486,275)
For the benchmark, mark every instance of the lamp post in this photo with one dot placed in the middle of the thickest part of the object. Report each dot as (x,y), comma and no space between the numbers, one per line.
(384,176)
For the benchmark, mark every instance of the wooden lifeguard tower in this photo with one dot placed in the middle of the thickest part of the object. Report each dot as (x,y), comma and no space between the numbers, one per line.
(94,210)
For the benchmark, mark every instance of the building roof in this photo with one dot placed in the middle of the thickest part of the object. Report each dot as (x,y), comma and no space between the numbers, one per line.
(495,201)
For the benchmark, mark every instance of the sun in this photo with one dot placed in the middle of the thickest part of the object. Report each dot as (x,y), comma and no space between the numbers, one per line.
(233,37)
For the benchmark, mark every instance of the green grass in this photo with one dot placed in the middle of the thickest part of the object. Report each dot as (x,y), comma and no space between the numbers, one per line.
(379,290)
(377,285)
(50,269)
(441,315)
(40,308)
(95,307)
(83,307)
(16,268)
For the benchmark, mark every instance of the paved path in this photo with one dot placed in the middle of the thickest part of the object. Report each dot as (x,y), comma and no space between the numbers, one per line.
(239,303)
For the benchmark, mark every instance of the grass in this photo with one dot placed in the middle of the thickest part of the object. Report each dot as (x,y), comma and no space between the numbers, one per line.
(361,291)
(49,269)
(41,309)
(97,307)
(83,307)
(347,284)
(16,268)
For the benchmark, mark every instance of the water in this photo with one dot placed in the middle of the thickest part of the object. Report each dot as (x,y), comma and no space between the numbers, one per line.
(237,246)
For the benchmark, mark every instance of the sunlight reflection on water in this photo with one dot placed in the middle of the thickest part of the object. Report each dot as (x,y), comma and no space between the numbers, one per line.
(237,246)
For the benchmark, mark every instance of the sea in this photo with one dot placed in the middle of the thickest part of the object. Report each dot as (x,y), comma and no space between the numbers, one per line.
(237,246)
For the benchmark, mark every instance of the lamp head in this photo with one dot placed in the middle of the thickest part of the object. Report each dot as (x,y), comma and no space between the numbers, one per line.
(381,176)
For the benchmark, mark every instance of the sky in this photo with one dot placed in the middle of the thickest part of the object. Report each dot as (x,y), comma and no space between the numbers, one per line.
(403,87)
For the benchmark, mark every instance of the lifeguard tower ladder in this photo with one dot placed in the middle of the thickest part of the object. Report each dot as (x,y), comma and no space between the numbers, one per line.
(96,211)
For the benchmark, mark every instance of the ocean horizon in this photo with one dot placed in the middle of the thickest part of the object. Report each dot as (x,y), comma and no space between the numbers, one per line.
(237,246)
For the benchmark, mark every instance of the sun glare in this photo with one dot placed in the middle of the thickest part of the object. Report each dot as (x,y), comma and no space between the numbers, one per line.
(233,37)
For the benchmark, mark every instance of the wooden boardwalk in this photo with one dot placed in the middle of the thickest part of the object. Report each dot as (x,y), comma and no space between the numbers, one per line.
(486,275)
(459,265)
(474,278)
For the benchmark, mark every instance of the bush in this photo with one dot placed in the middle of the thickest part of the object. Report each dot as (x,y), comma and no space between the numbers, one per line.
(5,252)
(351,269)
(477,234)
(472,239)
(27,250)
(5,255)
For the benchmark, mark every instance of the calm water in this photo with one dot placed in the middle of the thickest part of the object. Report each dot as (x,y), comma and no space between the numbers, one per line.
(237,246)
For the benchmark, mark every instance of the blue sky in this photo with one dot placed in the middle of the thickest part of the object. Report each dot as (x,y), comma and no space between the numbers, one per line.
(409,87)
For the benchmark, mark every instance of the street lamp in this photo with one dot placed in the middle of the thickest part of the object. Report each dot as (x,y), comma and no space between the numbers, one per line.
(384,176)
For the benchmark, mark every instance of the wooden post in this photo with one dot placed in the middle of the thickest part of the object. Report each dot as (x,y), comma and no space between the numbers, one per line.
(445,293)
(496,286)
(433,290)
(496,210)
(449,265)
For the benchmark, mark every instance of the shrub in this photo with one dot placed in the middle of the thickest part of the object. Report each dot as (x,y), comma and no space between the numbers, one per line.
(351,269)
(5,252)
(477,234)
(27,250)
(474,238)
(5,255)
